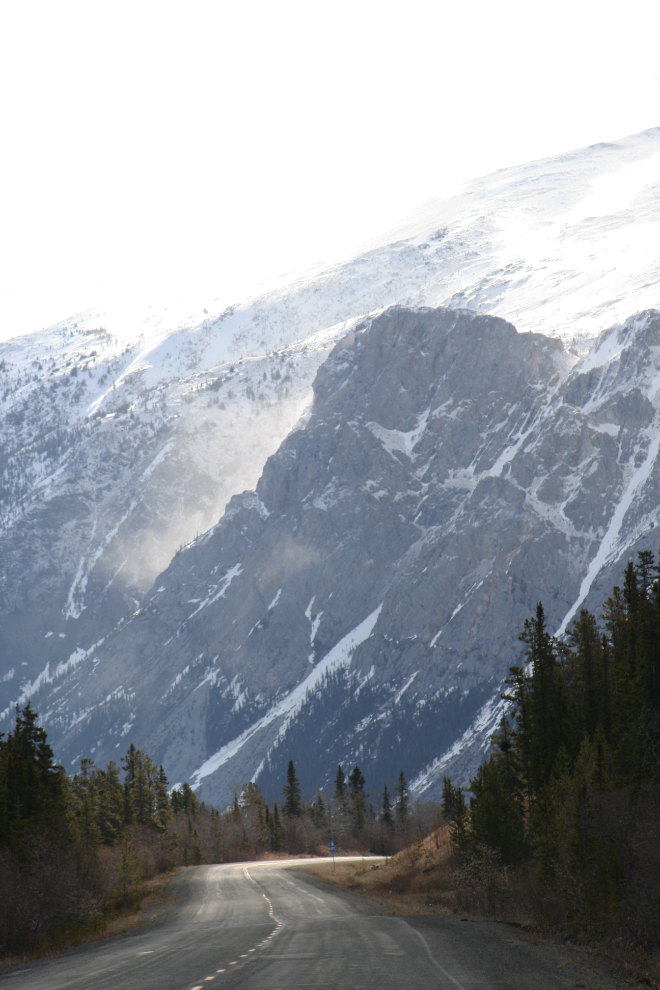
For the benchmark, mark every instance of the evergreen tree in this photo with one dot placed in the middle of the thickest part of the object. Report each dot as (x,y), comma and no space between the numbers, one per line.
(251,796)
(128,763)
(456,813)
(110,804)
(495,816)
(189,802)
(317,812)
(142,789)
(452,798)
(87,805)
(277,833)
(163,806)
(546,703)
(587,679)
(292,801)
(358,797)
(401,809)
(340,784)
(386,810)
(32,795)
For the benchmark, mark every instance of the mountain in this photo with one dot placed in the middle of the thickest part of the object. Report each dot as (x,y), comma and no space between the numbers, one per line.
(363,603)
(114,455)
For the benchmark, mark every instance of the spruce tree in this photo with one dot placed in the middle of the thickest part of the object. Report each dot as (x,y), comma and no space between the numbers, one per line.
(356,791)
(402,802)
(587,679)
(495,816)
(163,809)
(189,802)
(292,806)
(386,810)
(340,784)
(455,812)
(546,702)
(84,787)
(277,833)
(32,788)
(142,788)
(317,812)
(110,804)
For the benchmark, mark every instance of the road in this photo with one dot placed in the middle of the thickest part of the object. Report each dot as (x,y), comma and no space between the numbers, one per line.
(265,926)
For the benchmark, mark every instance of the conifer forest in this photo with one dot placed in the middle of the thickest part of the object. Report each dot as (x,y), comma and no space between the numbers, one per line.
(563,817)
(565,813)
(75,851)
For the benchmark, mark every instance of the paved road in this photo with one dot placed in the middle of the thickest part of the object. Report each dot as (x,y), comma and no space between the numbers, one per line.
(266,926)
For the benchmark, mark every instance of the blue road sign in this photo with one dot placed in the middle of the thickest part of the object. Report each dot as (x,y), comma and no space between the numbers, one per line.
(333,848)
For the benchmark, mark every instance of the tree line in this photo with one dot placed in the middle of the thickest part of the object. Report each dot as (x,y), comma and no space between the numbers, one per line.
(570,795)
(74,850)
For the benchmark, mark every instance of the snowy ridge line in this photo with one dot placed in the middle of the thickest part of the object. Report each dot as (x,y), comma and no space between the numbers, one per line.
(339,656)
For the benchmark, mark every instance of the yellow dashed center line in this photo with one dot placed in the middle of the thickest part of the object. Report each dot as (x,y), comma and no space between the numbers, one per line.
(257,946)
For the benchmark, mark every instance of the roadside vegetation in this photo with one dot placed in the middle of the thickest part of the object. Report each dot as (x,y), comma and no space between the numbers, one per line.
(559,831)
(78,855)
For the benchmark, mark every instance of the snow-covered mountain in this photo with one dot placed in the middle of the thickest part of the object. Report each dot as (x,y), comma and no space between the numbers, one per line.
(116,453)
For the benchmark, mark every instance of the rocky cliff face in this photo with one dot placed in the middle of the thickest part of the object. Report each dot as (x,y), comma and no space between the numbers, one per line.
(110,460)
(118,446)
(364,602)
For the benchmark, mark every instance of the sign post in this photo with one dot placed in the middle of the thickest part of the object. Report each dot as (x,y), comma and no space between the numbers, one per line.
(333,851)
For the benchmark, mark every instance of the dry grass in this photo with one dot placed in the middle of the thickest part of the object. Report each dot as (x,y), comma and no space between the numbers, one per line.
(426,879)
(415,881)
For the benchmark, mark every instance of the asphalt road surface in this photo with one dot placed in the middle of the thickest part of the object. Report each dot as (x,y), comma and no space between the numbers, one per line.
(269,926)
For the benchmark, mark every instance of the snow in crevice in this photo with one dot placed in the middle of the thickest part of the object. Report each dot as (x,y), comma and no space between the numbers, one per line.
(74,606)
(315,623)
(218,590)
(286,709)
(475,587)
(275,600)
(405,687)
(48,677)
(481,729)
(396,440)
(608,548)
(158,459)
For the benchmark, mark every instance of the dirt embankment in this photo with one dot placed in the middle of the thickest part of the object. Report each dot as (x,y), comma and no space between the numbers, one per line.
(415,881)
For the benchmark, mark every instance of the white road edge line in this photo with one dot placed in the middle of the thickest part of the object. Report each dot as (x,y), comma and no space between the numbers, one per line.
(431,956)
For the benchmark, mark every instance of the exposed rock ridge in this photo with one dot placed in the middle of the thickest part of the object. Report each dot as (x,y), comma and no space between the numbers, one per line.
(364,602)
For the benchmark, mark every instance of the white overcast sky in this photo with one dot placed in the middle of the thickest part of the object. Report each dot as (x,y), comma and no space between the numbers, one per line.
(199,148)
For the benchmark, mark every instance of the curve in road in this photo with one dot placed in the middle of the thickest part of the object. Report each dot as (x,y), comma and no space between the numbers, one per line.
(266,925)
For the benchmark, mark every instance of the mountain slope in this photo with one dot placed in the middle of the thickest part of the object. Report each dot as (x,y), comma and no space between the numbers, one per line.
(115,450)
(365,600)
